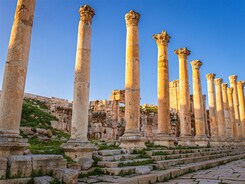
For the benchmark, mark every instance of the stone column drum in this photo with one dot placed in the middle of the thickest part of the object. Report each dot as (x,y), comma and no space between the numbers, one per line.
(163,137)
(220,110)
(200,138)
(78,147)
(232,114)
(240,90)
(226,112)
(14,79)
(212,108)
(186,138)
(233,84)
(132,137)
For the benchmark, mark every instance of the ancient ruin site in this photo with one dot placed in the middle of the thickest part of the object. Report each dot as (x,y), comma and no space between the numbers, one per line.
(190,130)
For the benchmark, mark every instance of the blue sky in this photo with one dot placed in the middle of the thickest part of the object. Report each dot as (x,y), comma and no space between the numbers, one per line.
(214,31)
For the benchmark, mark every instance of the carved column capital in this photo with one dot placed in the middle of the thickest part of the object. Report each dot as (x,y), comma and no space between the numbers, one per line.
(218,81)
(86,13)
(240,84)
(224,86)
(230,90)
(132,18)
(161,38)
(175,83)
(182,52)
(233,79)
(210,76)
(196,64)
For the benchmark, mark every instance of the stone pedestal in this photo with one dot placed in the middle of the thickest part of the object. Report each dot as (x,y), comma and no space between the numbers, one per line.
(186,138)
(78,147)
(14,79)
(220,110)
(163,137)
(132,138)
(212,108)
(200,138)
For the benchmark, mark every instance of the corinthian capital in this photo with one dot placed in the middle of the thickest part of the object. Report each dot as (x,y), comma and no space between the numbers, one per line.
(196,64)
(132,18)
(218,81)
(182,52)
(224,86)
(161,38)
(230,90)
(233,79)
(210,76)
(240,84)
(86,13)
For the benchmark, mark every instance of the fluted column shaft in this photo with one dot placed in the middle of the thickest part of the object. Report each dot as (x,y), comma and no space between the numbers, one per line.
(185,122)
(240,90)
(220,109)
(212,105)
(162,40)
(226,111)
(233,84)
(232,114)
(79,126)
(16,68)
(198,99)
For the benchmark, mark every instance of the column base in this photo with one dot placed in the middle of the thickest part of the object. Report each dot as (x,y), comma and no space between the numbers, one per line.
(132,140)
(186,141)
(80,152)
(202,141)
(164,140)
(214,142)
(12,145)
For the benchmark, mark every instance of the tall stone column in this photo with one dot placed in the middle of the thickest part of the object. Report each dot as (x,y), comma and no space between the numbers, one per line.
(240,90)
(14,79)
(212,109)
(78,147)
(186,138)
(233,84)
(226,112)
(232,114)
(132,137)
(220,110)
(200,138)
(164,130)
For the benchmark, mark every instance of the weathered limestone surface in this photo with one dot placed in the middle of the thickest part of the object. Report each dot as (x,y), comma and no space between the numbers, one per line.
(200,138)
(212,107)
(66,175)
(3,167)
(14,79)
(232,114)
(220,109)
(186,138)
(226,111)
(233,84)
(132,137)
(164,131)
(240,90)
(78,146)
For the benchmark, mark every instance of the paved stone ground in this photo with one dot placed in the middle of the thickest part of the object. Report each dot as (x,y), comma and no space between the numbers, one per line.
(231,173)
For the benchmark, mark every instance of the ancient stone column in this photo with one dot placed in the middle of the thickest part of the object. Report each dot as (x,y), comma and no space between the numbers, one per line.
(78,146)
(226,112)
(212,108)
(132,137)
(14,79)
(240,90)
(233,84)
(232,114)
(200,138)
(220,110)
(164,130)
(186,138)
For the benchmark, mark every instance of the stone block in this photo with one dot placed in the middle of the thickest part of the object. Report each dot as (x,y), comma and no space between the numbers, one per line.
(86,163)
(142,170)
(146,179)
(162,175)
(43,180)
(16,181)
(3,167)
(69,176)
(20,166)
